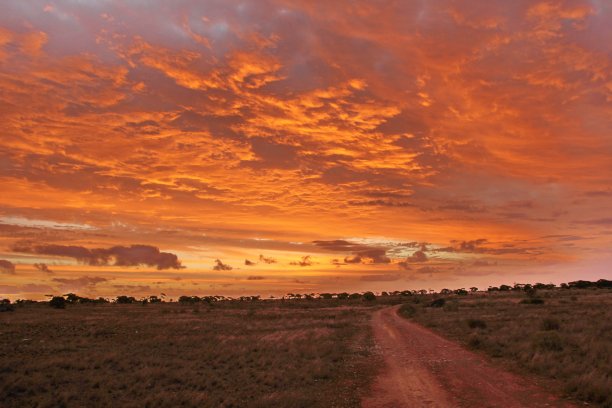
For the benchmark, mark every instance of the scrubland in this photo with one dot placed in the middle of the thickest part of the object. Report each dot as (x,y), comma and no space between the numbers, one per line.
(290,353)
(231,354)
(560,337)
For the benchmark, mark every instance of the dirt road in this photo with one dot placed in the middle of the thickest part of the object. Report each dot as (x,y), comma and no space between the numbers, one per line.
(426,370)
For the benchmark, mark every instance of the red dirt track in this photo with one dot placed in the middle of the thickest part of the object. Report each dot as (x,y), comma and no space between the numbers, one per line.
(423,369)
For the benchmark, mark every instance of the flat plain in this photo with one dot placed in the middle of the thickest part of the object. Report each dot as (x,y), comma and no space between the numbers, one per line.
(298,352)
(232,355)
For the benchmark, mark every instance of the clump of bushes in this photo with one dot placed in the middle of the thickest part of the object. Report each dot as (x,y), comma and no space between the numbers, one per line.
(550,323)
(438,302)
(476,341)
(407,310)
(548,341)
(477,324)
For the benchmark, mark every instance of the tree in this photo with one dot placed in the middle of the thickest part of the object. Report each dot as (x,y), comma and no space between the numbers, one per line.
(57,302)
(369,296)
(125,299)
(446,292)
(473,289)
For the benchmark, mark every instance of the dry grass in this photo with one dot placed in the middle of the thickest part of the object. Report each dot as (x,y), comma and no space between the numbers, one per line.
(567,338)
(258,354)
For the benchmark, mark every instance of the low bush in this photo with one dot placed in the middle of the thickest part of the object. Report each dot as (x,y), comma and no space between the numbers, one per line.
(548,341)
(407,310)
(550,323)
(532,301)
(476,324)
(476,341)
(438,302)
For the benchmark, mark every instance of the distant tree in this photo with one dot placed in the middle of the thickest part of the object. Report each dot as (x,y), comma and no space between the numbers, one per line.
(189,299)
(504,288)
(154,299)
(325,295)
(581,284)
(343,296)
(473,289)
(493,289)
(5,306)
(58,302)
(460,292)
(446,292)
(422,291)
(384,294)
(564,286)
(369,296)
(125,299)
(355,296)
(406,293)
(604,283)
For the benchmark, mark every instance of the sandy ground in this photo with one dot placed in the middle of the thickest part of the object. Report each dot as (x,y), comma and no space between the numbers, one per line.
(426,370)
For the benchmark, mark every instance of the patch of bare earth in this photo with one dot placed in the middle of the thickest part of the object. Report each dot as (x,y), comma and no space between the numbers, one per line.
(423,369)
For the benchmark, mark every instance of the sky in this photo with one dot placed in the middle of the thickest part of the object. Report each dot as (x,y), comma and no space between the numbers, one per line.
(272,147)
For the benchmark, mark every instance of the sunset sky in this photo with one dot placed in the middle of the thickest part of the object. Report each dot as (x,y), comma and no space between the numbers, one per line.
(267,147)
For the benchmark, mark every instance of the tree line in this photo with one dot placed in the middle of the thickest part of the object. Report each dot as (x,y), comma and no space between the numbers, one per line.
(60,302)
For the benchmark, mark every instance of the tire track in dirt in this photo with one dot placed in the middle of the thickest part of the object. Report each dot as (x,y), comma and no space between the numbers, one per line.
(423,369)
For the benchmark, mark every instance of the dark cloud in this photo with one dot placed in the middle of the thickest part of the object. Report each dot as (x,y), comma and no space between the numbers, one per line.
(271,154)
(134,255)
(598,221)
(380,203)
(266,260)
(306,261)
(249,263)
(218,126)
(27,288)
(83,282)
(361,253)
(43,267)
(7,266)
(417,257)
(220,266)
(252,278)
